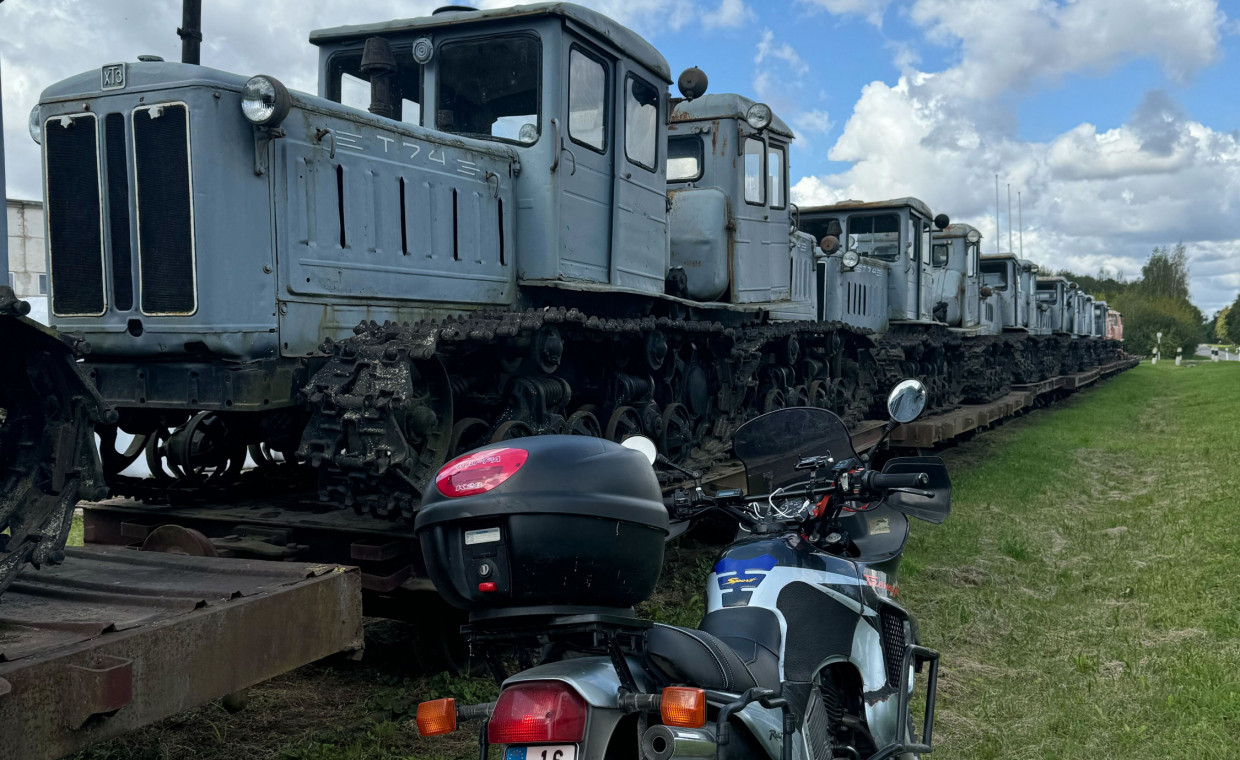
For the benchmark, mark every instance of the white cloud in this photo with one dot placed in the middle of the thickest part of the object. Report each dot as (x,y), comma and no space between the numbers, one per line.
(768,49)
(729,14)
(1018,44)
(814,122)
(1094,197)
(870,10)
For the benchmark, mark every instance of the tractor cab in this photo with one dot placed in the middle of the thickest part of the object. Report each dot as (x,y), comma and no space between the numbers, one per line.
(580,98)
(894,236)
(955,252)
(1055,296)
(731,225)
(1005,280)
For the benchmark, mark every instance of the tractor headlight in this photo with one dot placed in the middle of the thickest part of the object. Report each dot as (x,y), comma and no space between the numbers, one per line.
(36,125)
(973,236)
(851,259)
(758,116)
(265,101)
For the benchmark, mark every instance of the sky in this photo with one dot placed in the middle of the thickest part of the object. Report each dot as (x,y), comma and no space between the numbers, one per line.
(1116,121)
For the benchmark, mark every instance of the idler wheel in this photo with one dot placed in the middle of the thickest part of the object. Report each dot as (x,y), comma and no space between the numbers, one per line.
(511,429)
(584,423)
(468,434)
(623,423)
(676,440)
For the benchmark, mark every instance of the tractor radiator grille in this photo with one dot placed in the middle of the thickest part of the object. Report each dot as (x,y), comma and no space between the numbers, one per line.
(894,643)
(118,210)
(75,223)
(165,209)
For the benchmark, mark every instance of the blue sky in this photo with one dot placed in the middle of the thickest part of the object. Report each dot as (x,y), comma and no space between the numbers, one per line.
(1115,119)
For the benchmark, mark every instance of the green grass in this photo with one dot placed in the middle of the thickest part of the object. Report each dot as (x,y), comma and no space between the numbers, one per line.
(1085,593)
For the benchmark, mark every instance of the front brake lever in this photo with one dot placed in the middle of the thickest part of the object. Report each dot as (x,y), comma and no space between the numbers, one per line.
(913,491)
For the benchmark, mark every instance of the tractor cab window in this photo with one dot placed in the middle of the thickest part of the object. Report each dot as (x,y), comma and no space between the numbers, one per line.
(972,264)
(488,88)
(755,176)
(877,235)
(819,228)
(684,159)
(587,100)
(995,275)
(1046,295)
(641,122)
(939,255)
(350,86)
(775,162)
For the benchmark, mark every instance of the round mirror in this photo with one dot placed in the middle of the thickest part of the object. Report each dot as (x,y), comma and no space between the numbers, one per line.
(907,401)
(829,244)
(646,446)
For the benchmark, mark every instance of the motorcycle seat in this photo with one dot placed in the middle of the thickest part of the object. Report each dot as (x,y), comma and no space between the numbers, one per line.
(697,658)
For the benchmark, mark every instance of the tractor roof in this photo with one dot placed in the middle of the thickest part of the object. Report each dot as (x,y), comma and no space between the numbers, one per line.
(628,41)
(724,105)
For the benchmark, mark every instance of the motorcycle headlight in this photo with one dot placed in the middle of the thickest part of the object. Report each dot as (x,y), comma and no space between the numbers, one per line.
(265,101)
(851,259)
(758,116)
(36,125)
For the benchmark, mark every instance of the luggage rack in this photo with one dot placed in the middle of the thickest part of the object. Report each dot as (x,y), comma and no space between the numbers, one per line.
(617,632)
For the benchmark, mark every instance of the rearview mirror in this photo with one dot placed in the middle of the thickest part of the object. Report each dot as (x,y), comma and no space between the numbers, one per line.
(642,444)
(907,401)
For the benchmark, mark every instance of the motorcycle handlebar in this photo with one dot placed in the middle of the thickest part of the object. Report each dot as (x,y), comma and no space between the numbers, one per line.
(878,481)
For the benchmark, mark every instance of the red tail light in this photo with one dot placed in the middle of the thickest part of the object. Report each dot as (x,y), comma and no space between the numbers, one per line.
(538,712)
(479,471)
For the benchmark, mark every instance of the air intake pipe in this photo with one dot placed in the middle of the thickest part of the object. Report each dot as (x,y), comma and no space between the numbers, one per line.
(190,31)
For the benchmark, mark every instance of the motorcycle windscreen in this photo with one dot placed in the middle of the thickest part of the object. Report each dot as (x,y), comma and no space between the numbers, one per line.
(771,445)
(934,508)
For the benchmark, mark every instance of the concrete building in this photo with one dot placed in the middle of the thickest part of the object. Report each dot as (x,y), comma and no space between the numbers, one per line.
(27,259)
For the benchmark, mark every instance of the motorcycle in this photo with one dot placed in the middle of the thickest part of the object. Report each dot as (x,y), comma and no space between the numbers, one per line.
(805,650)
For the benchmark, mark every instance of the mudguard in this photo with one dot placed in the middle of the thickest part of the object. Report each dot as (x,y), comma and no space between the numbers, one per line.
(48,457)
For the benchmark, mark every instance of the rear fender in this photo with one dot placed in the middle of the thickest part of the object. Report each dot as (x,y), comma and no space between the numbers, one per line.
(595,679)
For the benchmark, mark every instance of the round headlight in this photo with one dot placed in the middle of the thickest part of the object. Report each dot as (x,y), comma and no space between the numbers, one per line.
(528,134)
(973,236)
(36,125)
(265,101)
(851,259)
(759,115)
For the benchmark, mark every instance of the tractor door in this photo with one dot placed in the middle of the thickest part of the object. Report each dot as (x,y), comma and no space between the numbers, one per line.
(972,283)
(585,169)
(913,269)
(639,226)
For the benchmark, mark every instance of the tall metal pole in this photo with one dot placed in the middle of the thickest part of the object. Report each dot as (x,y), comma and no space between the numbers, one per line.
(1020,221)
(1010,246)
(996,213)
(4,217)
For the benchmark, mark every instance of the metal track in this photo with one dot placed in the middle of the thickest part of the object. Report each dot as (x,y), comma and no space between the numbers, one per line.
(395,401)
(48,460)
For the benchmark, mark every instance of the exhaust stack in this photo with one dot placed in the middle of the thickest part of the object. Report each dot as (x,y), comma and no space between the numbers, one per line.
(190,31)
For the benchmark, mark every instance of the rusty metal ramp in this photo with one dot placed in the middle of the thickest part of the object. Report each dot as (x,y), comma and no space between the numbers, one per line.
(114,639)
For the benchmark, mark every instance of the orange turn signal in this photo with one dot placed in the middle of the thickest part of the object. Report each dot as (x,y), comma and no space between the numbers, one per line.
(683,707)
(437,717)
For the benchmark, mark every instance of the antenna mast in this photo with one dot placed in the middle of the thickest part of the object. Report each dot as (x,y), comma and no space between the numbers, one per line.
(996,213)
(1011,247)
(1020,221)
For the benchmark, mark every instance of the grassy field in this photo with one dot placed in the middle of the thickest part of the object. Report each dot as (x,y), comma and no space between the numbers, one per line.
(1085,595)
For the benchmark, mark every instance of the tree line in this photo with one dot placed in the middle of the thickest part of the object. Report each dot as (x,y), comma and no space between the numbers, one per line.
(1156,302)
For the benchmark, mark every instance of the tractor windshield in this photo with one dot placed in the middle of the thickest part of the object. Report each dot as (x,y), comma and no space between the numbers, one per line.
(489,88)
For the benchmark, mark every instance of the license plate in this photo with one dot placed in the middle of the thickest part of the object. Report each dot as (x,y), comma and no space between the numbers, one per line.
(542,752)
(112,77)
